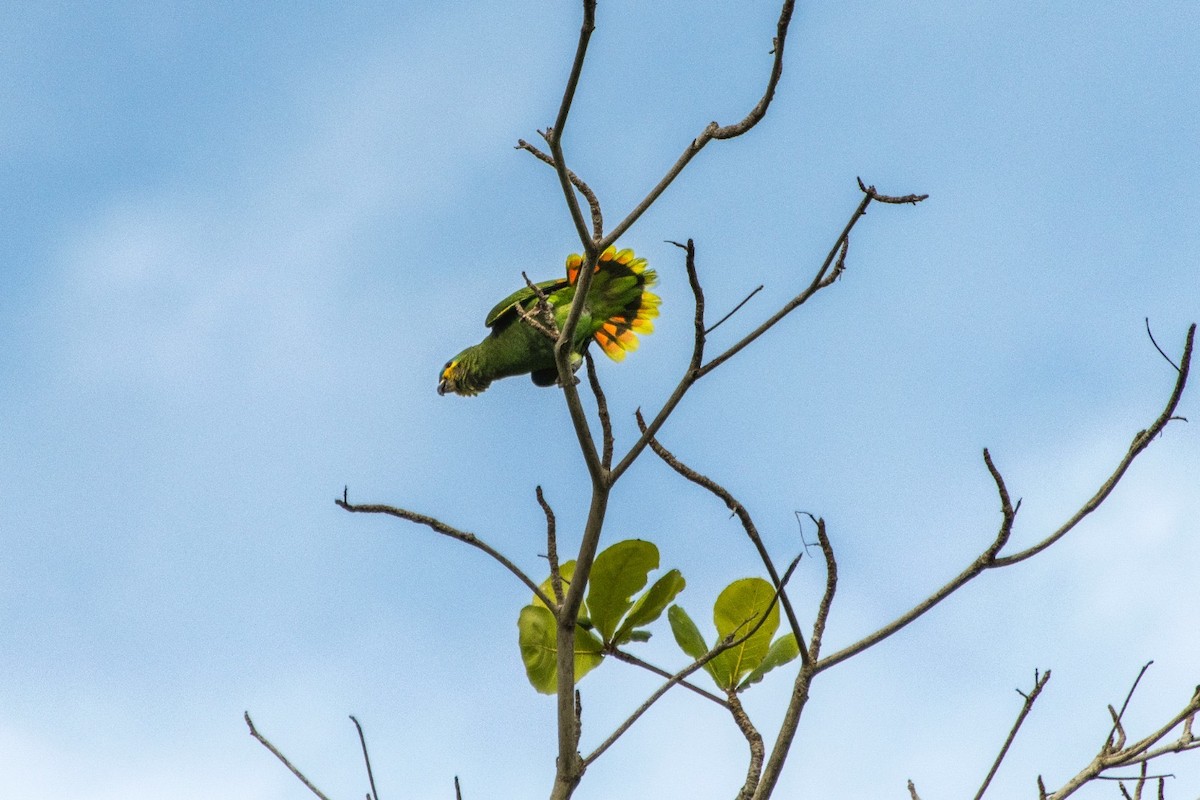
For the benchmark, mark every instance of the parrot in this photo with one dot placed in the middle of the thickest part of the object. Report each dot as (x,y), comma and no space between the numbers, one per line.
(619,306)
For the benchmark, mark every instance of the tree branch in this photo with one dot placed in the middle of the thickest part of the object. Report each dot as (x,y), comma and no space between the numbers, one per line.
(715,131)
(736,309)
(362,740)
(1140,442)
(831,576)
(743,516)
(630,658)
(1115,756)
(1039,683)
(554,135)
(821,280)
(275,751)
(696,370)
(556,583)
(452,532)
(577,182)
(606,433)
(990,558)
(973,570)
(754,740)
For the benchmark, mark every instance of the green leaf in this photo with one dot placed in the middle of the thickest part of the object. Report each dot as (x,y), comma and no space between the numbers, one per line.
(617,574)
(639,636)
(650,606)
(783,650)
(539,648)
(691,641)
(687,635)
(737,610)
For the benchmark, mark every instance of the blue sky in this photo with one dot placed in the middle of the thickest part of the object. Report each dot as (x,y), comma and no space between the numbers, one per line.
(240,240)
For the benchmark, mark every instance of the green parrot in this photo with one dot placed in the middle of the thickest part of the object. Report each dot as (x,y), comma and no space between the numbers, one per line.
(619,306)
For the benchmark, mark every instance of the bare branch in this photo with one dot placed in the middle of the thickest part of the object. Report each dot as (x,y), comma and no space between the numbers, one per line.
(577,182)
(1139,753)
(457,789)
(990,558)
(1140,442)
(821,280)
(736,309)
(908,199)
(544,321)
(696,371)
(362,740)
(556,583)
(630,658)
(1156,347)
(831,576)
(912,791)
(530,319)
(563,350)
(1039,682)
(565,344)
(715,131)
(754,740)
(747,524)
(554,135)
(452,532)
(700,334)
(275,751)
(606,433)
(1117,716)
(977,566)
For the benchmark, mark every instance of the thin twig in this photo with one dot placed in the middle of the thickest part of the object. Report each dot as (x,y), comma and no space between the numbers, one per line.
(363,741)
(1156,347)
(1117,716)
(532,321)
(736,309)
(553,135)
(820,281)
(715,131)
(552,550)
(275,751)
(1039,682)
(606,434)
(1140,442)
(699,335)
(990,558)
(577,182)
(982,562)
(630,658)
(457,789)
(545,310)
(908,199)
(1137,754)
(831,577)
(696,371)
(453,533)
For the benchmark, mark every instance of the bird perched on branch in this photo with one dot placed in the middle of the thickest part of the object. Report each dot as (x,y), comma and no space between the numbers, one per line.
(618,307)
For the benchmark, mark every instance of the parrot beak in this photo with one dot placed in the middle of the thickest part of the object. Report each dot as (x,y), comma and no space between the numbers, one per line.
(445,381)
